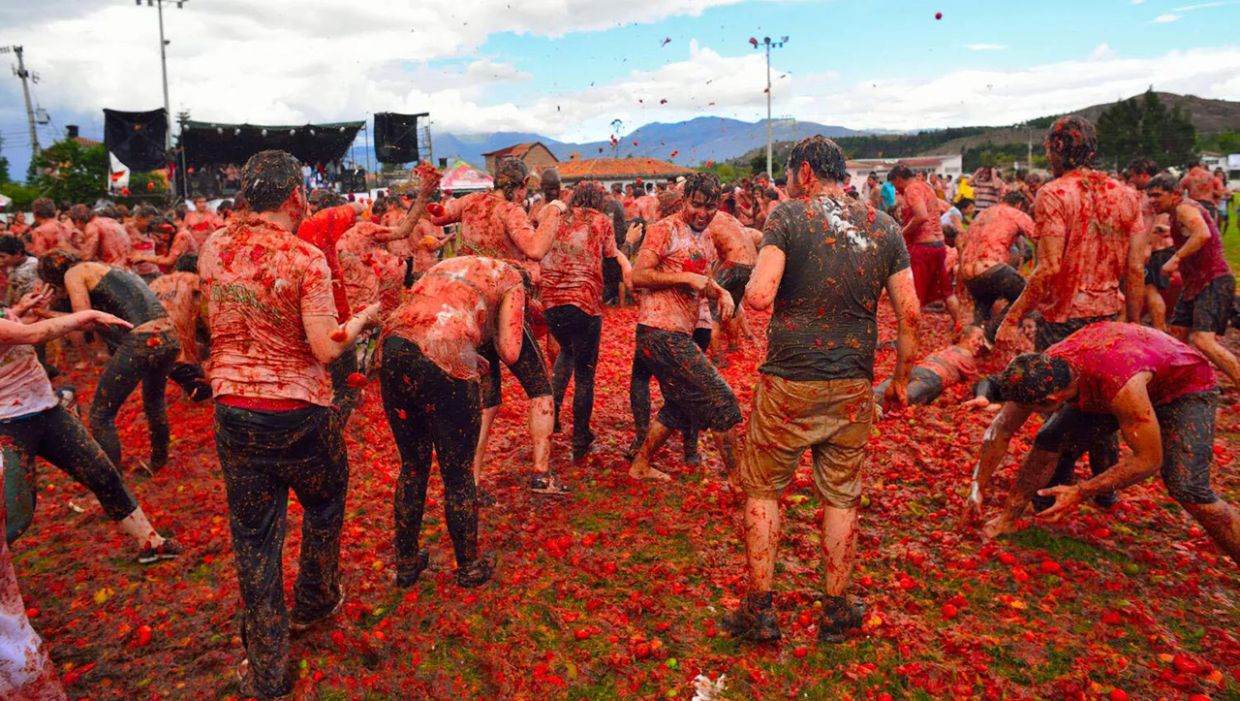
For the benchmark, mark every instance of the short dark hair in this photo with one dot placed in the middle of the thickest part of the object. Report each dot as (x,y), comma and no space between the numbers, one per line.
(589,196)
(823,155)
(269,178)
(900,172)
(1142,166)
(1015,198)
(43,208)
(186,263)
(1032,377)
(1163,181)
(79,213)
(145,211)
(964,202)
(54,264)
(704,182)
(12,245)
(1074,140)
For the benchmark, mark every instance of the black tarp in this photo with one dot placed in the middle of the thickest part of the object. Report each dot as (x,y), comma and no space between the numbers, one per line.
(137,138)
(396,137)
(207,143)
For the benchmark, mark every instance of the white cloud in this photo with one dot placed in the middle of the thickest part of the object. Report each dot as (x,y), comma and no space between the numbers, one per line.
(1101,51)
(985,47)
(1167,18)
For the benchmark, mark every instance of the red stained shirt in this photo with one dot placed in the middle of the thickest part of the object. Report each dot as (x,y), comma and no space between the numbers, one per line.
(453,309)
(24,387)
(491,227)
(991,235)
(1095,216)
(370,272)
(1207,263)
(1200,185)
(323,230)
(952,364)
(572,270)
(678,249)
(1107,355)
(930,231)
(261,283)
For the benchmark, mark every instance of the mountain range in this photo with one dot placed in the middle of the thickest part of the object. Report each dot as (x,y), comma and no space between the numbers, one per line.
(697,141)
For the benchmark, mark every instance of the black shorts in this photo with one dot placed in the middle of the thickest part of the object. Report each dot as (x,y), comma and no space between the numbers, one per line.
(1153,268)
(1187,427)
(1209,311)
(695,395)
(1049,333)
(733,278)
(530,370)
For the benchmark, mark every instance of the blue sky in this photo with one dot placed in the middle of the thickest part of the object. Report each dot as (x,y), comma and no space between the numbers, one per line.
(567,73)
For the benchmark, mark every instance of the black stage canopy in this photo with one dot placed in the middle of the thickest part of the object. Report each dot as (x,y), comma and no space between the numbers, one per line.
(207,143)
(136,138)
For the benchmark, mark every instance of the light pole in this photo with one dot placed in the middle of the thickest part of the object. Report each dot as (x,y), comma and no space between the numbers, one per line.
(768,43)
(21,72)
(163,62)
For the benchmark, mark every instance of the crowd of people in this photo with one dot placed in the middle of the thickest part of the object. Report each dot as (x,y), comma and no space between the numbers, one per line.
(278,305)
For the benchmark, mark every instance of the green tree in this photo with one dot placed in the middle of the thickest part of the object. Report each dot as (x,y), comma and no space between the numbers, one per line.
(70,171)
(1143,127)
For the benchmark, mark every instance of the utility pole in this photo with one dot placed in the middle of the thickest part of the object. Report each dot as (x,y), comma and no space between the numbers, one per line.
(163,61)
(766,41)
(24,74)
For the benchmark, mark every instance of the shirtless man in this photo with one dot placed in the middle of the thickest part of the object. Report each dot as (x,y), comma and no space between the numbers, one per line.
(142,242)
(201,222)
(923,235)
(180,294)
(49,233)
(493,224)
(647,206)
(984,259)
(736,247)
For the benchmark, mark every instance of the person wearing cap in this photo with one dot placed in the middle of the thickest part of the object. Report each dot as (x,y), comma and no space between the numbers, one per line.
(1156,391)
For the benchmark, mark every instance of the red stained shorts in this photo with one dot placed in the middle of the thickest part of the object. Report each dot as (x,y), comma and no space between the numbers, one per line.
(930,276)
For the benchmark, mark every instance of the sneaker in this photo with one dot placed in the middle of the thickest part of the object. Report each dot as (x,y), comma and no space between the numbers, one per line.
(168,550)
(547,483)
(409,577)
(754,620)
(839,617)
(297,624)
(476,573)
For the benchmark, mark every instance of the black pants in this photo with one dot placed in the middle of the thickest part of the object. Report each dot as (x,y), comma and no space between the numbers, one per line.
(530,370)
(57,436)
(345,397)
(695,395)
(924,386)
(578,335)
(1104,448)
(1000,282)
(263,454)
(639,394)
(144,358)
(427,410)
(612,276)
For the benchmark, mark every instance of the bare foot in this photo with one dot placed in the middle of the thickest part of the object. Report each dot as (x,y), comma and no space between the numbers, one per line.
(647,473)
(997,526)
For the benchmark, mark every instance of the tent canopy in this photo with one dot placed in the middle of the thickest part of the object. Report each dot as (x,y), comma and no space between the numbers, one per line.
(207,143)
(461,177)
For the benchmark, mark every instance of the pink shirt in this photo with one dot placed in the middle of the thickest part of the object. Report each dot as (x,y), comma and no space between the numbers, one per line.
(261,282)
(572,271)
(1105,356)
(990,237)
(1095,216)
(453,309)
(370,272)
(931,230)
(678,249)
(24,387)
(1207,263)
(952,364)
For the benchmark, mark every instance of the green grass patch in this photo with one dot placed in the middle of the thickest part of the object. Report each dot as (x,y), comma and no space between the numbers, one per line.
(1063,546)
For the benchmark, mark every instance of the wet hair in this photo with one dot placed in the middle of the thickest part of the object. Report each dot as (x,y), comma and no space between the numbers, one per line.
(1015,198)
(107,211)
(589,196)
(670,202)
(12,245)
(1032,377)
(80,213)
(145,211)
(550,178)
(43,208)
(1142,166)
(180,211)
(224,207)
(510,176)
(186,263)
(54,264)
(1074,140)
(823,155)
(706,183)
(900,172)
(122,211)
(617,188)
(240,203)
(963,203)
(269,178)
(1163,181)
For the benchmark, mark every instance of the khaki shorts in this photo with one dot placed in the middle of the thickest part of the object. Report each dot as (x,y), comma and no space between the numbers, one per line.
(829,417)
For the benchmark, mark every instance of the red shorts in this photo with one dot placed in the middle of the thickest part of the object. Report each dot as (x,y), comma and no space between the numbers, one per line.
(930,277)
